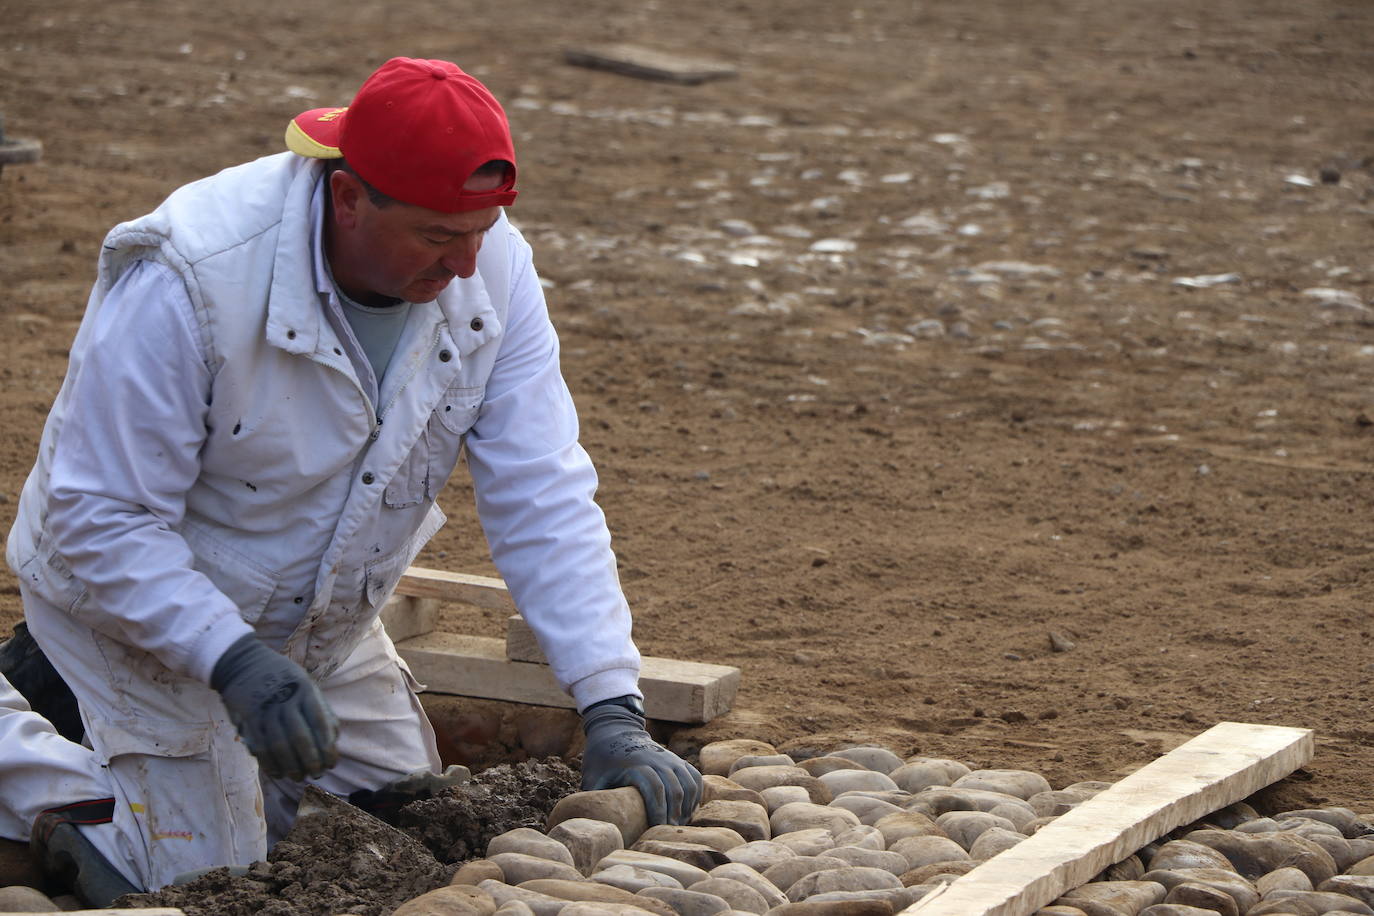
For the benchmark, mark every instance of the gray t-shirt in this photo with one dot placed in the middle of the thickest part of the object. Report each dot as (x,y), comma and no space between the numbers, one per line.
(377,329)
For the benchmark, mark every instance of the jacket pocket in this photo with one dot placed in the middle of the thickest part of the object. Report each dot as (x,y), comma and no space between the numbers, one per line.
(242,579)
(458,409)
(48,576)
(381,576)
(151,737)
(410,486)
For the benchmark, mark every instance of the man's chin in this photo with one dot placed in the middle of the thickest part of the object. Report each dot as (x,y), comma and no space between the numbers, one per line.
(425,290)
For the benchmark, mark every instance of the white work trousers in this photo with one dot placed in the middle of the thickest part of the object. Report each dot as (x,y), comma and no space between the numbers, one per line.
(187,792)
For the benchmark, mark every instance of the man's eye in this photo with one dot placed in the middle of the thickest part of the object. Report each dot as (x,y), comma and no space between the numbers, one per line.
(433,241)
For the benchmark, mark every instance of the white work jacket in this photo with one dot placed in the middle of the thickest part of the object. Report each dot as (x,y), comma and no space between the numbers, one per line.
(180,502)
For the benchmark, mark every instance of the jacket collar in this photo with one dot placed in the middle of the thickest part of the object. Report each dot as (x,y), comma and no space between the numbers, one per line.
(295,316)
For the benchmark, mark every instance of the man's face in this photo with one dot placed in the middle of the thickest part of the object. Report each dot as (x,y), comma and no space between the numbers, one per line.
(401,251)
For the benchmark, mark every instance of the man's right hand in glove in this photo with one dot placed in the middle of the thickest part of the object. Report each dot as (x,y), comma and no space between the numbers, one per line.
(278,710)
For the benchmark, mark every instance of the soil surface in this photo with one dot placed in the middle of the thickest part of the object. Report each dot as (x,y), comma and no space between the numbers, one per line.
(941,328)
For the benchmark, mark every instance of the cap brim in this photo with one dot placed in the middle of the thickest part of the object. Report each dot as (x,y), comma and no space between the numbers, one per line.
(315,133)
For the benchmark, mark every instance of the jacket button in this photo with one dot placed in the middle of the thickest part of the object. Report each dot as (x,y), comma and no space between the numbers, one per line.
(367,477)
(475,324)
(445,356)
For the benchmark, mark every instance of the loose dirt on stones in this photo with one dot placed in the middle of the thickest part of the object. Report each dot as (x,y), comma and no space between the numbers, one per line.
(339,859)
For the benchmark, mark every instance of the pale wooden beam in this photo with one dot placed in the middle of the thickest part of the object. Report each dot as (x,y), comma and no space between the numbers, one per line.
(483,591)
(404,616)
(477,666)
(1224,764)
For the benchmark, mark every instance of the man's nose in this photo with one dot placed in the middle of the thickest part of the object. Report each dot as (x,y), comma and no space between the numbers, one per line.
(461,260)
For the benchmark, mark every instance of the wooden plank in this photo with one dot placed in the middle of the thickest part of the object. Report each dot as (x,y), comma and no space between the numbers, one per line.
(404,616)
(483,591)
(644,63)
(1224,764)
(521,646)
(476,666)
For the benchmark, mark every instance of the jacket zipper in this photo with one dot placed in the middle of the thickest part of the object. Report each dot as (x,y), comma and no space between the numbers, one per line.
(377,430)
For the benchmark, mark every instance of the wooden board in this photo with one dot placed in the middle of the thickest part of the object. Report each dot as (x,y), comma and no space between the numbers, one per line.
(476,666)
(521,646)
(643,63)
(483,591)
(1224,764)
(404,616)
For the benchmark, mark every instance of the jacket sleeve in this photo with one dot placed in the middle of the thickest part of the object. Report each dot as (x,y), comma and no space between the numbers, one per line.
(535,489)
(126,456)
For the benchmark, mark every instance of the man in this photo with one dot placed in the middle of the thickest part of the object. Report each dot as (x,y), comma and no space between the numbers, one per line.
(276,373)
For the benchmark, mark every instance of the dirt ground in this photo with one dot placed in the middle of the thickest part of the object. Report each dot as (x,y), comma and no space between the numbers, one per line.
(880,346)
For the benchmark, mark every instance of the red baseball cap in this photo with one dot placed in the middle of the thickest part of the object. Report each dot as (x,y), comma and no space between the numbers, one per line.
(416,131)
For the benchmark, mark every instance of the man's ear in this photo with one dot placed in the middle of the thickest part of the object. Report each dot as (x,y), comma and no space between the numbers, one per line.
(346,193)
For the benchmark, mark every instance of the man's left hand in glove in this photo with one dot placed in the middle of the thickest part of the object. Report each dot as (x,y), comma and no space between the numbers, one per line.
(619,752)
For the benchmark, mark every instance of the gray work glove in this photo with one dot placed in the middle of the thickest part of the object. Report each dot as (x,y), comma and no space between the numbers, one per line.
(619,752)
(278,710)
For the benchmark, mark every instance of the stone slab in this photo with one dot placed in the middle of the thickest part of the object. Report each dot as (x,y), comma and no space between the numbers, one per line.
(1224,764)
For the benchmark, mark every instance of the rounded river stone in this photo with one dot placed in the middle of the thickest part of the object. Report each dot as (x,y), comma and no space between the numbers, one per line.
(885,859)
(1126,896)
(702,856)
(842,879)
(913,777)
(928,850)
(875,758)
(1256,854)
(760,778)
(588,841)
(819,766)
(1177,854)
(688,903)
(746,818)
(896,827)
(1190,893)
(864,835)
(810,842)
(519,868)
(716,758)
(963,827)
(1309,903)
(760,855)
(594,891)
(721,838)
(1361,887)
(1222,879)
(992,841)
(806,816)
(530,842)
(1285,879)
(771,893)
(633,878)
(1020,783)
(840,781)
(868,809)
(739,895)
(623,807)
(718,787)
(790,871)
